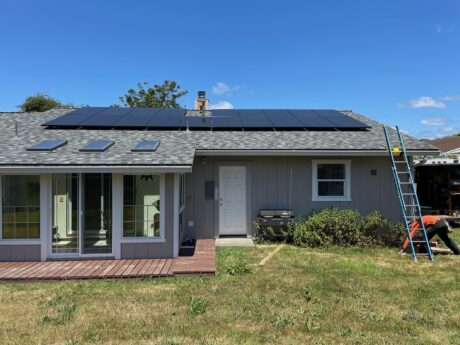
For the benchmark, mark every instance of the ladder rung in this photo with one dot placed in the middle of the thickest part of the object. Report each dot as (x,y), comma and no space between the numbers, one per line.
(408,193)
(402,172)
(405,182)
(410,205)
(400,161)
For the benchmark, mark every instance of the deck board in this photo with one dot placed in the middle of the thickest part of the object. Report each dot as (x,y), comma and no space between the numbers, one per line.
(153,264)
(203,261)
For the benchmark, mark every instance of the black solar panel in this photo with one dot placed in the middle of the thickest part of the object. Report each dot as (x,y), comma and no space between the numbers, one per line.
(226,118)
(311,120)
(250,119)
(137,118)
(67,120)
(282,118)
(340,120)
(106,118)
(167,118)
(90,111)
(196,122)
(253,118)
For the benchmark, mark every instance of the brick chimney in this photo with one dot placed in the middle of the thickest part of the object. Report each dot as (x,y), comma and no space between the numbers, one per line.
(201,103)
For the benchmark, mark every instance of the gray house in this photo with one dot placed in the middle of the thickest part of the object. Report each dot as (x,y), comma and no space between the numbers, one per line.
(132,183)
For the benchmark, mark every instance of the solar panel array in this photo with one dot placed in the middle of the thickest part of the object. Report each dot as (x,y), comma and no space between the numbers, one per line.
(221,119)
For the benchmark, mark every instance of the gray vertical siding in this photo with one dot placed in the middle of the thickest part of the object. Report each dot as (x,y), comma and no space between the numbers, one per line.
(156,250)
(14,252)
(272,182)
(286,182)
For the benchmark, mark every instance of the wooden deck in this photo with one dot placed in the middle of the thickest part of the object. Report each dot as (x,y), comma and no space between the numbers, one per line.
(202,262)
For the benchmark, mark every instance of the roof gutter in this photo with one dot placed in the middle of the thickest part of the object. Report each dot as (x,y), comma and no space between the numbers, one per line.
(314,153)
(47,169)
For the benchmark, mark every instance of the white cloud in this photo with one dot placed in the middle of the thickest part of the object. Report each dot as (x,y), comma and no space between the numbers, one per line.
(433,121)
(451,98)
(437,133)
(426,102)
(220,88)
(450,28)
(221,105)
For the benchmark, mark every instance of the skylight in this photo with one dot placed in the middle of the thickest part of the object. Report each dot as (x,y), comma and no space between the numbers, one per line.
(146,146)
(48,145)
(97,146)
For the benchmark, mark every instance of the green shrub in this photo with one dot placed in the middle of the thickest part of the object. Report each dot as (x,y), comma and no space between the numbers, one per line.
(378,230)
(343,227)
(330,226)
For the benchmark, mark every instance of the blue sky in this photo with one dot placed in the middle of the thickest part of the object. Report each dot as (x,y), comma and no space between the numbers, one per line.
(395,61)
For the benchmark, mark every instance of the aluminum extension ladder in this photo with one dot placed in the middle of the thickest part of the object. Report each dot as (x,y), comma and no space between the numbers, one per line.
(407,194)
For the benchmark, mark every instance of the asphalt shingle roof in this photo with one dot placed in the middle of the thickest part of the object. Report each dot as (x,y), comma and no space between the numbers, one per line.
(176,147)
(446,144)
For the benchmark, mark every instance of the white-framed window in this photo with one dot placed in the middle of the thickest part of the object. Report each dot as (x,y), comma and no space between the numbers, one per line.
(142,207)
(20,204)
(331,180)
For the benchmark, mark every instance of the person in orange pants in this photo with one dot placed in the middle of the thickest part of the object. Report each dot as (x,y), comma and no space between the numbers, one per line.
(434,225)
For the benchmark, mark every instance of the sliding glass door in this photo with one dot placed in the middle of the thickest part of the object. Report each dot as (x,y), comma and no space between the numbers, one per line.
(65,218)
(97,213)
(81,214)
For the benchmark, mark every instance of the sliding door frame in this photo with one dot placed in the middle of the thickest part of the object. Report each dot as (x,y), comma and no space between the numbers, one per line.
(46,210)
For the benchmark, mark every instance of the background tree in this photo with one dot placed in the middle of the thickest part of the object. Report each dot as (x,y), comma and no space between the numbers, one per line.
(41,102)
(158,96)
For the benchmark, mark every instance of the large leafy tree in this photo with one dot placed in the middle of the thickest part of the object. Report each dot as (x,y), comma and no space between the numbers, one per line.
(41,102)
(157,96)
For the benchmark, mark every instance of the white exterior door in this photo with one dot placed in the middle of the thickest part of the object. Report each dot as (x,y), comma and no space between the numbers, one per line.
(232,200)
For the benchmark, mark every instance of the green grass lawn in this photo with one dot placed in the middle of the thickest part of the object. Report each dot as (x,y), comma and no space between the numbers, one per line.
(301,296)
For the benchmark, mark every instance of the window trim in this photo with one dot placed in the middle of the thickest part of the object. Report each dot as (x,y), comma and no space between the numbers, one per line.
(181,193)
(161,238)
(20,241)
(347,180)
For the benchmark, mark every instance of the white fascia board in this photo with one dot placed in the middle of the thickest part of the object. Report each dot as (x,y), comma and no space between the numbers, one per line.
(452,152)
(322,153)
(46,169)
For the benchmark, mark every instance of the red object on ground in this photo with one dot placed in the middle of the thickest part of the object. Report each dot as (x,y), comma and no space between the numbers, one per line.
(415,226)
